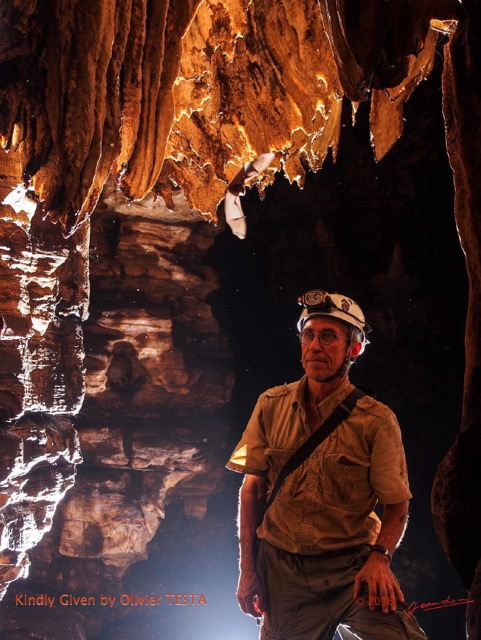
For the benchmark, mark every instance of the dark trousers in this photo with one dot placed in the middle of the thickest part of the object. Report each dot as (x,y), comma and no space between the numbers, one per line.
(310,597)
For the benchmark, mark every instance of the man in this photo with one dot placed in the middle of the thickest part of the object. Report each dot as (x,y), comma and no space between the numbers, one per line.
(318,560)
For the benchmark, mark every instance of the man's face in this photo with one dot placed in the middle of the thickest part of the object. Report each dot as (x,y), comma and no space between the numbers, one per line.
(320,360)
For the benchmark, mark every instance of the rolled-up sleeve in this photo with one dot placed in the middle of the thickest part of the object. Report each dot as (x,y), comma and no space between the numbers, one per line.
(388,474)
(249,454)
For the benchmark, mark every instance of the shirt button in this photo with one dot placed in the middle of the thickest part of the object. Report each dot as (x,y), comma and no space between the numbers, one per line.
(310,487)
(305,520)
(314,455)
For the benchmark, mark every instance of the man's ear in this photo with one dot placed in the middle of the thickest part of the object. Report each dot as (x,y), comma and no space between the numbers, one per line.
(356,348)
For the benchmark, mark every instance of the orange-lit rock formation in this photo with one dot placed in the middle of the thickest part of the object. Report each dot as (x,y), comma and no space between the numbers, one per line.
(160,104)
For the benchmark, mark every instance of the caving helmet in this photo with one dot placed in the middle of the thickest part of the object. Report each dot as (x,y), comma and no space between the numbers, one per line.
(317,302)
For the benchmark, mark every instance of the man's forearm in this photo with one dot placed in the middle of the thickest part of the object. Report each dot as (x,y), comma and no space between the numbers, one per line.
(251,507)
(393,526)
(376,572)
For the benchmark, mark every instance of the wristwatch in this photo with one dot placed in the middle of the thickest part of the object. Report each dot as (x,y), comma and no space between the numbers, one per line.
(381,549)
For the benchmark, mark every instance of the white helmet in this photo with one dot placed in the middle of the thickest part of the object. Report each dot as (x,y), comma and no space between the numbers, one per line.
(317,302)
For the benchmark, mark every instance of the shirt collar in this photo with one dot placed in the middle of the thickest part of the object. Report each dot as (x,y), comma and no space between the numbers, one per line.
(327,406)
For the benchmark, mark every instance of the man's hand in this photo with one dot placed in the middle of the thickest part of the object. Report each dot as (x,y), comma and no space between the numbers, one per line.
(250,594)
(384,588)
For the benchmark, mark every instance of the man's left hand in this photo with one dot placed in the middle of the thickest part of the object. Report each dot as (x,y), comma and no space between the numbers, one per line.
(384,589)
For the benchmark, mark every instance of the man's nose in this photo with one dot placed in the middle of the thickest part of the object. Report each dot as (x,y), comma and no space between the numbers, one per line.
(316,342)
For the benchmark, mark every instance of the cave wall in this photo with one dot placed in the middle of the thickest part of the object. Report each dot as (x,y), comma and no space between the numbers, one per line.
(45,296)
(189,92)
(157,372)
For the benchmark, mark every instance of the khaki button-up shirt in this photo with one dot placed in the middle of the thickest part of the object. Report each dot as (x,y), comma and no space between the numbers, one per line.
(327,503)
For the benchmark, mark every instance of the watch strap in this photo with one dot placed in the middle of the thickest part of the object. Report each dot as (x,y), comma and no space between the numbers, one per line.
(380,549)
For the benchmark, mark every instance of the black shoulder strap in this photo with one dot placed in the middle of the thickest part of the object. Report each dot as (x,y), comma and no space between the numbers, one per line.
(339,414)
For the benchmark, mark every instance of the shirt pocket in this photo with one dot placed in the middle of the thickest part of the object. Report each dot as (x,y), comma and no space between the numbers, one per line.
(345,483)
(277,458)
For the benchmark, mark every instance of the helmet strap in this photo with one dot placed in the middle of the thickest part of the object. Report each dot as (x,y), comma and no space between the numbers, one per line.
(341,372)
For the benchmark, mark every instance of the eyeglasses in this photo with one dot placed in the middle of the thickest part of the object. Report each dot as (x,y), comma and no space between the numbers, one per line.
(324,337)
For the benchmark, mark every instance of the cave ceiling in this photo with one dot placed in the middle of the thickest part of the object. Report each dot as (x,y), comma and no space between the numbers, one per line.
(124,128)
(165,96)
